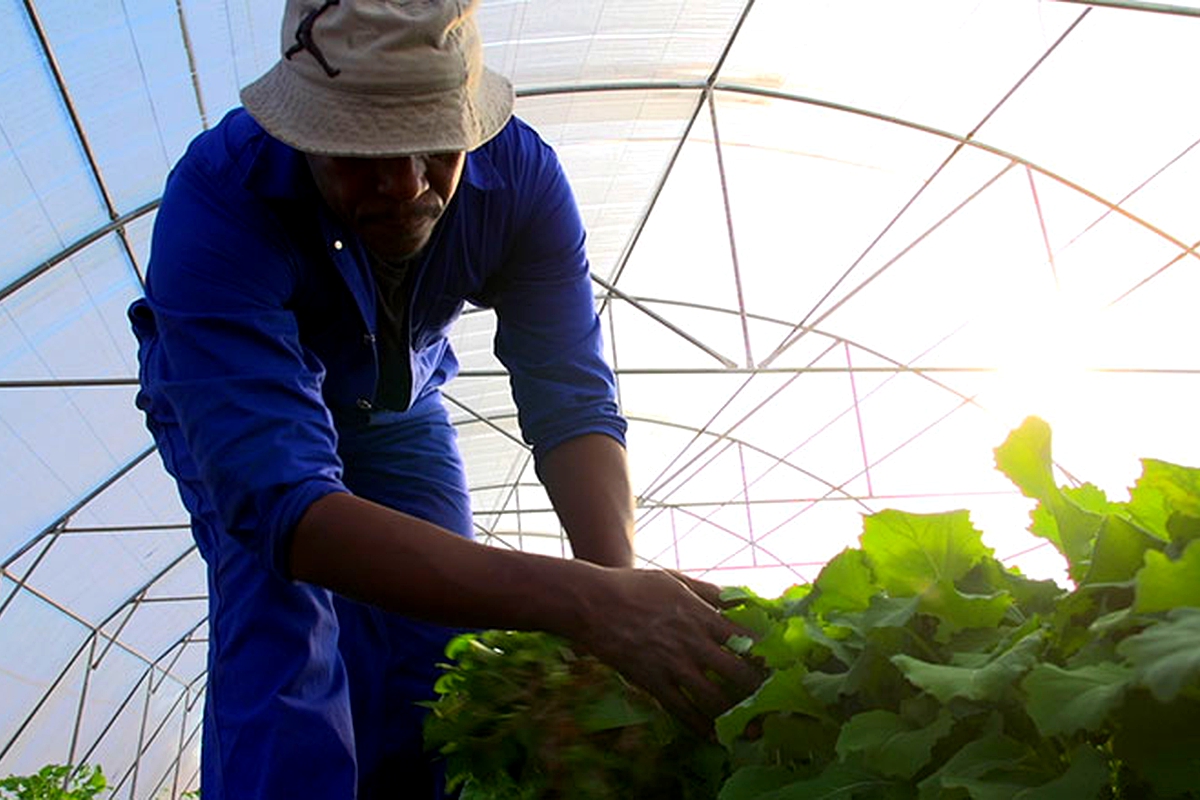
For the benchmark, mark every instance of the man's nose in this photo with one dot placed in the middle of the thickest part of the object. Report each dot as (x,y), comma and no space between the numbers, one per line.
(403,177)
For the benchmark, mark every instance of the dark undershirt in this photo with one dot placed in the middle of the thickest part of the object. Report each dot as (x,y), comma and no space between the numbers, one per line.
(391,323)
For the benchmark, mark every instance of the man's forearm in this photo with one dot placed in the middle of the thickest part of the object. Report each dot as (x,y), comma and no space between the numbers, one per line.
(663,635)
(587,479)
(406,565)
(358,548)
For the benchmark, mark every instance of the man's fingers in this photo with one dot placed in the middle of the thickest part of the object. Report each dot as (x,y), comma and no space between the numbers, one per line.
(683,660)
(723,630)
(708,696)
(677,704)
(740,675)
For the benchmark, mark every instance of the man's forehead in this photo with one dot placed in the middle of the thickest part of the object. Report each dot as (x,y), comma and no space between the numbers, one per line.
(280,171)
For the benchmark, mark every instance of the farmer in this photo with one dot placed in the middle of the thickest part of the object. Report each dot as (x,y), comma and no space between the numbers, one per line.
(310,253)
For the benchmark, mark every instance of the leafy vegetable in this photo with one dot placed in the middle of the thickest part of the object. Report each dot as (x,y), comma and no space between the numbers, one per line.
(915,666)
(55,782)
(523,716)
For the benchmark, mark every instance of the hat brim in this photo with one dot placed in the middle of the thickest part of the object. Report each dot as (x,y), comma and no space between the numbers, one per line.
(313,119)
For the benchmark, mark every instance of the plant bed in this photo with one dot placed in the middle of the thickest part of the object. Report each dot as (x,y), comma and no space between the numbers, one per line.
(914,666)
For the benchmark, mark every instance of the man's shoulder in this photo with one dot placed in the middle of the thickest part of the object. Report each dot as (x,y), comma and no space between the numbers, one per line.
(518,133)
(223,191)
(514,133)
(513,158)
(226,151)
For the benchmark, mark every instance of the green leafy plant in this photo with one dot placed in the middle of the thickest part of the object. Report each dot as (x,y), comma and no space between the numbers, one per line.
(917,666)
(522,716)
(55,782)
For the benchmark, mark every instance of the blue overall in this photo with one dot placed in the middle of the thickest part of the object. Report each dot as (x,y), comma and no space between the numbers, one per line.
(260,383)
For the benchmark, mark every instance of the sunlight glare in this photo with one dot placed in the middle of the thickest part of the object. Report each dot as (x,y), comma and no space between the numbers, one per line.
(1052,349)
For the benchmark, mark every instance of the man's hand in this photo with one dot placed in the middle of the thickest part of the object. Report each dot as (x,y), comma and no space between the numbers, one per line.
(707,592)
(659,629)
(662,631)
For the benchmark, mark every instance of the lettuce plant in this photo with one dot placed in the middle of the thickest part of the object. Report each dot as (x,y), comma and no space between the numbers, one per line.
(916,666)
(55,782)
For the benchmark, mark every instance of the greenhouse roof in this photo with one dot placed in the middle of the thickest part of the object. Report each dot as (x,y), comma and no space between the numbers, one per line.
(839,250)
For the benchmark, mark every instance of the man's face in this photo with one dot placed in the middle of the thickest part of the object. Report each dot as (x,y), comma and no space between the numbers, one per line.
(391,203)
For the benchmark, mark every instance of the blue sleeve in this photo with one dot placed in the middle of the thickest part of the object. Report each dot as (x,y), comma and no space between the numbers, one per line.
(232,396)
(548,333)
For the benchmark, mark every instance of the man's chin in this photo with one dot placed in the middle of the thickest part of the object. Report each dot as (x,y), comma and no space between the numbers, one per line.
(394,250)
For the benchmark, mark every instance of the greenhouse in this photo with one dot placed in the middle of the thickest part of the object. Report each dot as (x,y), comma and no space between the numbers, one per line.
(839,252)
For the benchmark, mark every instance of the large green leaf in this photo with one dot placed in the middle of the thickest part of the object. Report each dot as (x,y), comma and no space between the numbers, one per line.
(1043,524)
(884,612)
(1158,742)
(1001,784)
(973,767)
(739,594)
(873,680)
(1031,596)
(956,610)
(1063,701)
(1165,583)
(890,745)
(1067,522)
(840,781)
(1163,490)
(797,739)
(826,687)
(1086,777)
(910,553)
(1025,459)
(1090,497)
(990,682)
(753,617)
(788,642)
(885,623)
(783,690)
(1166,656)
(753,782)
(1118,551)
(1184,530)
(845,584)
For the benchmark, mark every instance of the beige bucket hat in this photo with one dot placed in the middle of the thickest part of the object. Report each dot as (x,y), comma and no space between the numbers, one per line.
(380,78)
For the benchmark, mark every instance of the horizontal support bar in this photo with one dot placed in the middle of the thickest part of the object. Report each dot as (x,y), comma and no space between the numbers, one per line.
(1138,5)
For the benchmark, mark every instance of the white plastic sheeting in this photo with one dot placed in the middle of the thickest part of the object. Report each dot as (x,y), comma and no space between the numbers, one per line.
(840,250)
